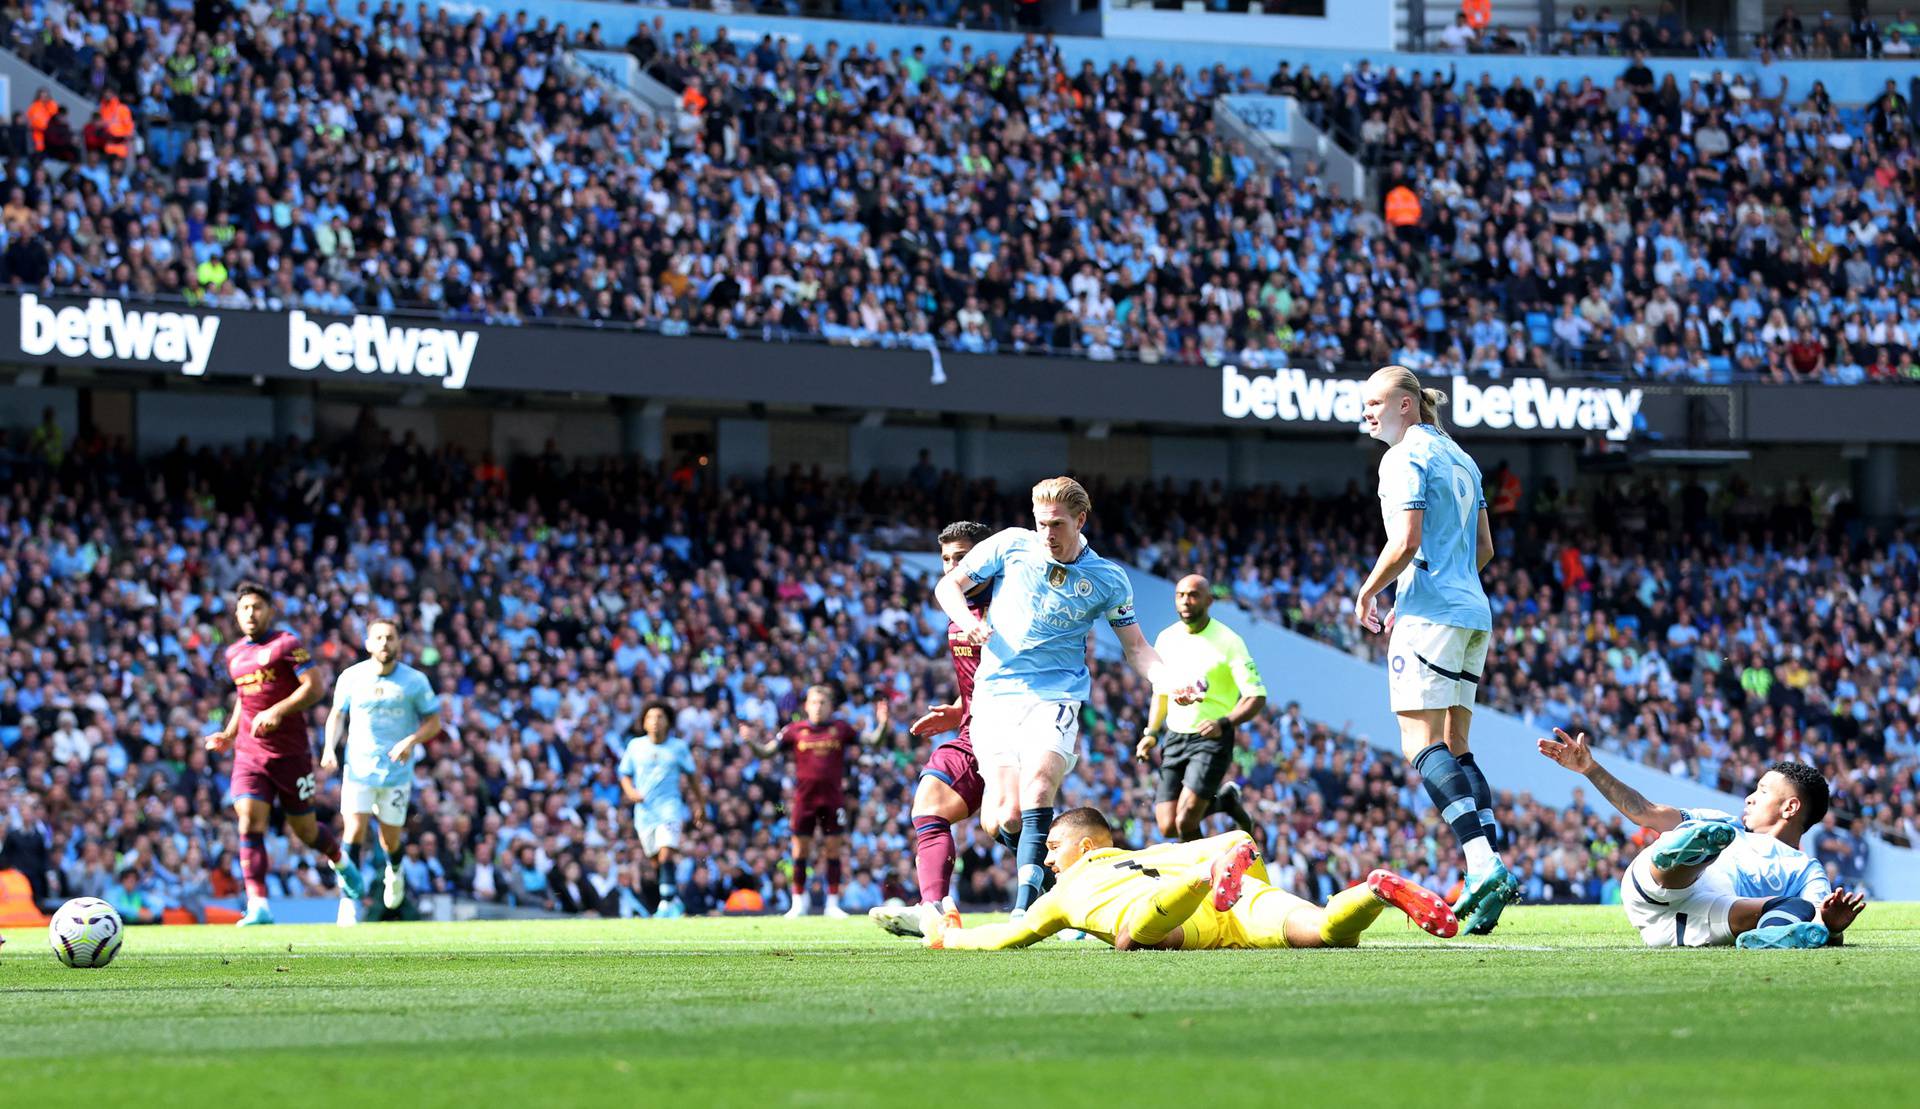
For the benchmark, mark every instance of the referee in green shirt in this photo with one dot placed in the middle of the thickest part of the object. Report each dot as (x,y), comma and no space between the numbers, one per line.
(1197,748)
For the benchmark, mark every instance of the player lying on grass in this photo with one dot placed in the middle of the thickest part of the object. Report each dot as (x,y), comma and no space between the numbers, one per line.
(1202,894)
(1709,881)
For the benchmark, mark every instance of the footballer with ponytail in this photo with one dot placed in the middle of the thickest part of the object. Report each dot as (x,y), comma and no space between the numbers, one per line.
(1437,542)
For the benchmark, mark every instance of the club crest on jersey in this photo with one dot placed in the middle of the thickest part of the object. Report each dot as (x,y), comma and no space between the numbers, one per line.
(1057,576)
(1083,588)
(264,656)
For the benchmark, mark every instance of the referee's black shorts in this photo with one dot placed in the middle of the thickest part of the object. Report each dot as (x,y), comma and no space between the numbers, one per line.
(1194,761)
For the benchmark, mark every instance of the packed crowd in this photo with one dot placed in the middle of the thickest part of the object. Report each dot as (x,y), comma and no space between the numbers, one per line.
(423,161)
(1606,30)
(547,600)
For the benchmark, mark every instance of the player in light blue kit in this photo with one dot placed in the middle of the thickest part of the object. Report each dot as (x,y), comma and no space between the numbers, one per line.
(1437,542)
(1710,880)
(1052,588)
(651,770)
(386,711)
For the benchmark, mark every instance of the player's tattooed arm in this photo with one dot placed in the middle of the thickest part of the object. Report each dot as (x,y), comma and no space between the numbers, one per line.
(1573,752)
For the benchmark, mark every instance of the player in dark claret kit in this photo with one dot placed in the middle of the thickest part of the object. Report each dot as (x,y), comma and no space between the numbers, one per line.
(818,746)
(272,752)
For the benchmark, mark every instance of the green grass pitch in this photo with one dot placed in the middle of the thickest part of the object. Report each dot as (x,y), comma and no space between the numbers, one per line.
(1561,1007)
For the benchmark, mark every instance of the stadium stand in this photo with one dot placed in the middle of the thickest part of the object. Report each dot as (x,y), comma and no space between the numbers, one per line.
(1621,226)
(549,598)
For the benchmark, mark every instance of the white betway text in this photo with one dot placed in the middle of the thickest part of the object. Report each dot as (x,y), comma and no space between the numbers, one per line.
(370,345)
(105,329)
(1527,404)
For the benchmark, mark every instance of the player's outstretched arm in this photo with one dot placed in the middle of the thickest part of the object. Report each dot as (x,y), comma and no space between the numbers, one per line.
(1148,664)
(1573,752)
(938,719)
(1403,542)
(1042,920)
(882,723)
(750,739)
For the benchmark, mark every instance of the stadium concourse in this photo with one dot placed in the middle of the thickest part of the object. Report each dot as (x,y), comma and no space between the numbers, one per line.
(1708,233)
(548,599)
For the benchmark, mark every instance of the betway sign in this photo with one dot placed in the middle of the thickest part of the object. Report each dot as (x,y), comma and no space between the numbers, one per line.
(1525,404)
(107,331)
(370,345)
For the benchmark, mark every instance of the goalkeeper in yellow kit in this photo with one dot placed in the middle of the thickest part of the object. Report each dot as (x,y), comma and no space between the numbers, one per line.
(1204,894)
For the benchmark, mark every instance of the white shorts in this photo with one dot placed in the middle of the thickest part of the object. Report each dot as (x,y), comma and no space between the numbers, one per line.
(1016,730)
(656,835)
(1692,917)
(1433,666)
(388,804)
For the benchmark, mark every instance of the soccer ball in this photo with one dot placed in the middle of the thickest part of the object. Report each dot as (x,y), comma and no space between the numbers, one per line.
(86,933)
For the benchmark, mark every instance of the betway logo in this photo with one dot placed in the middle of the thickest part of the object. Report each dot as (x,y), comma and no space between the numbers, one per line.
(370,345)
(104,329)
(1530,403)
(1527,404)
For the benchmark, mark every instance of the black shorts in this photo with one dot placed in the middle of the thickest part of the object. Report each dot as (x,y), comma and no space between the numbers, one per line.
(1194,761)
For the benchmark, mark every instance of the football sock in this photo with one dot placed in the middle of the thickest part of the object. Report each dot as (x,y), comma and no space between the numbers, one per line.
(1031,879)
(933,857)
(354,848)
(1785,910)
(253,865)
(1448,787)
(1172,904)
(325,842)
(1349,913)
(1008,837)
(1480,856)
(668,891)
(1482,798)
(799,878)
(1227,802)
(834,874)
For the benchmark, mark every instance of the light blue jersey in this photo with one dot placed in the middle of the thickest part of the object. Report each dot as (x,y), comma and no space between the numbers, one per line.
(1429,471)
(1761,866)
(655,770)
(1040,615)
(382,710)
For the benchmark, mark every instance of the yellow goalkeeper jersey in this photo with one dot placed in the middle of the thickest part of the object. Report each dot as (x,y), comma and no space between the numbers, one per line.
(1108,887)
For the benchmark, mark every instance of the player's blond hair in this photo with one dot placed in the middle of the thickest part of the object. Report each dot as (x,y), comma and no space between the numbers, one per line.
(1065,492)
(1400,379)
